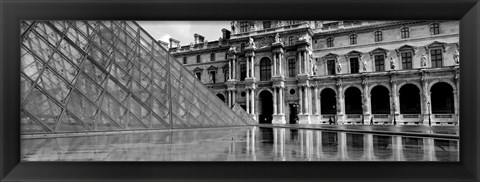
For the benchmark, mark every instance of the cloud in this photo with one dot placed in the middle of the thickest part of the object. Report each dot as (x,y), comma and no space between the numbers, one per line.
(184,30)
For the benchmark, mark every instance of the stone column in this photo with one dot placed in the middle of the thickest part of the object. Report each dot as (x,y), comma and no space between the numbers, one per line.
(229,98)
(252,66)
(307,63)
(280,58)
(340,104)
(425,94)
(366,105)
(248,101)
(229,69)
(275,101)
(234,70)
(395,109)
(281,100)
(274,72)
(249,66)
(300,99)
(317,101)
(306,100)
(299,61)
(252,95)
(234,98)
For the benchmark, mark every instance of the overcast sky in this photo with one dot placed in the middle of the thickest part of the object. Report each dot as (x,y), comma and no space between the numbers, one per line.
(184,30)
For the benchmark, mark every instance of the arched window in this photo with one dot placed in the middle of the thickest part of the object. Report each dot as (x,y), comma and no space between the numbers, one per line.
(378,36)
(405,32)
(330,42)
(265,69)
(198,59)
(353,39)
(434,29)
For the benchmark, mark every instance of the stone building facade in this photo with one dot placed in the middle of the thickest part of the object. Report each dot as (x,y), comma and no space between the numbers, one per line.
(348,72)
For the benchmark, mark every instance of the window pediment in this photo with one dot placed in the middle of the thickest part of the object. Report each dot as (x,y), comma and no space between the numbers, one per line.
(330,56)
(212,68)
(436,44)
(354,53)
(405,48)
(197,69)
(377,51)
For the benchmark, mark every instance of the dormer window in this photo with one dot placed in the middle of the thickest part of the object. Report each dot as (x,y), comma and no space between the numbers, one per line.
(353,39)
(434,29)
(212,57)
(378,36)
(330,42)
(405,32)
(267,24)
(243,26)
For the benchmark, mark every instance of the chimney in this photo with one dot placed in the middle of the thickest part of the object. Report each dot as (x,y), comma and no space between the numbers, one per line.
(174,43)
(163,44)
(226,34)
(199,39)
(195,35)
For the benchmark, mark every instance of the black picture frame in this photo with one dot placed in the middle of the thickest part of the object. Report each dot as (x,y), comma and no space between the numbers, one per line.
(12,11)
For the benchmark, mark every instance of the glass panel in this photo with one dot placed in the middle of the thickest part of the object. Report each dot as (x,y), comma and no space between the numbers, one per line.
(29,125)
(42,108)
(82,109)
(118,58)
(30,65)
(69,124)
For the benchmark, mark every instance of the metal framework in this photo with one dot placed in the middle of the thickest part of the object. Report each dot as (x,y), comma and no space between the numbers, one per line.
(85,76)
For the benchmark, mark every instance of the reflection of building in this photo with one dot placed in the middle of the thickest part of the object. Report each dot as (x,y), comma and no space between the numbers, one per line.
(384,72)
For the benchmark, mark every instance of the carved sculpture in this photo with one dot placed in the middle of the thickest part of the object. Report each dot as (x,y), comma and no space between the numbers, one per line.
(392,63)
(277,38)
(251,43)
(315,69)
(364,63)
(423,61)
(456,57)
(233,26)
(339,67)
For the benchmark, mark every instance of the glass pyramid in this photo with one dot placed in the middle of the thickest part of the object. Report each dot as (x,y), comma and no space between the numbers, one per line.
(86,76)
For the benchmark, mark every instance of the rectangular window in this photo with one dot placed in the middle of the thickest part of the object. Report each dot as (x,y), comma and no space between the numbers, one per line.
(184,60)
(291,67)
(243,26)
(243,72)
(199,75)
(198,59)
(436,57)
(353,65)
(212,57)
(406,60)
(267,24)
(379,63)
(212,76)
(331,67)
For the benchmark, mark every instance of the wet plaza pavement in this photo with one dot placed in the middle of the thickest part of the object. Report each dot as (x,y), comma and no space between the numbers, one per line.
(241,144)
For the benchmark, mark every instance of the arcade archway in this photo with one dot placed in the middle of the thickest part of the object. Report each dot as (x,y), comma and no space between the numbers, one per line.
(266,107)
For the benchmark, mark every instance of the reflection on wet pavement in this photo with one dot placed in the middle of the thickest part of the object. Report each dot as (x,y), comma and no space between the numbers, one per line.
(241,144)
